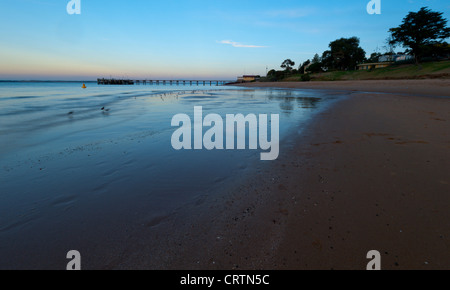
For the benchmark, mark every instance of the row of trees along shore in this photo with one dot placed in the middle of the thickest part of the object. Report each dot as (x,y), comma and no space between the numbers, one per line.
(422,33)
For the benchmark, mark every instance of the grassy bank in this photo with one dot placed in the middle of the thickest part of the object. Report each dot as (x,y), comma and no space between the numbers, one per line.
(407,71)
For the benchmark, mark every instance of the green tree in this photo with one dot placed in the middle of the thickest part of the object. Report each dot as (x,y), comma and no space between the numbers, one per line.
(441,49)
(274,76)
(287,64)
(316,64)
(316,59)
(327,59)
(374,57)
(345,54)
(315,67)
(421,31)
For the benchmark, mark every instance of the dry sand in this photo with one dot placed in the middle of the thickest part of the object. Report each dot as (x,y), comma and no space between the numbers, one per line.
(370,173)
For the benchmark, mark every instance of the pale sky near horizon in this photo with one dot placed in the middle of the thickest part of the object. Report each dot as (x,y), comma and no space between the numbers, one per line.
(183,39)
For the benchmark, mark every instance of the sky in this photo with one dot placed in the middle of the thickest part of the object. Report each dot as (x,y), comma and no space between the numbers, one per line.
(183,39)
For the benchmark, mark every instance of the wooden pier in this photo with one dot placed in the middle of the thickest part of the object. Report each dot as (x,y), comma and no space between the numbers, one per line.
(114,82)
(160,82)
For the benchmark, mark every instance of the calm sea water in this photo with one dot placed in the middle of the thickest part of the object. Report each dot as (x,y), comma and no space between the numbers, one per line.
(78,164)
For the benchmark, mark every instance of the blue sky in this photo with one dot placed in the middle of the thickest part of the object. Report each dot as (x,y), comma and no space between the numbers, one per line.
(190,39)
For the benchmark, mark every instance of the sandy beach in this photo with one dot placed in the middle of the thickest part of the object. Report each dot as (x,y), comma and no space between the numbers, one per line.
(425,87)
(376,176)
(371,173)
(368,172)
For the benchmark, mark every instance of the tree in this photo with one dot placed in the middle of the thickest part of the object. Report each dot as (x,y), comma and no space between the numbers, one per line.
(390,46)
(441,50)
(420,31)
(374,57)
(287,64)
(271,73)
(274,76)
(345,54)
(316,64)
(327,59)
(316,59)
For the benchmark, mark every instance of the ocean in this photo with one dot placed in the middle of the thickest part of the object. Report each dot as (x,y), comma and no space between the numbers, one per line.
(81,167)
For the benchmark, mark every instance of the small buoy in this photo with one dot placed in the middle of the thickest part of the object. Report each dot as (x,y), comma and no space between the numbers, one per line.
(84,86)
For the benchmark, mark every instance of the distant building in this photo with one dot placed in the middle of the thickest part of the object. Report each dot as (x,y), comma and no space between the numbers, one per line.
(385,61)
(395,57)
(248,78)
(387,58)
(403,57)
(369,66)
(305,69)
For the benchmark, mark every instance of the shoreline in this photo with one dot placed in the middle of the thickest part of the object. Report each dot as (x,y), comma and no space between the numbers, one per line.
(427,87)
(369,173)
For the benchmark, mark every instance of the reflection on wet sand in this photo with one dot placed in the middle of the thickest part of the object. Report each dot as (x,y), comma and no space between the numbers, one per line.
(91,177)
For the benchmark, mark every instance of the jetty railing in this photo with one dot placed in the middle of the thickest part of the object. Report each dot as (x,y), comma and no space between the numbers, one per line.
(160,82)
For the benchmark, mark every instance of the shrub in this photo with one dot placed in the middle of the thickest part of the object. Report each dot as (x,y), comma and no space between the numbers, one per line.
(305,78)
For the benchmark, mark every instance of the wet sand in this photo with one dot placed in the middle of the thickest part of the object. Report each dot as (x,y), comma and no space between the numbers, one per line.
(370,173)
